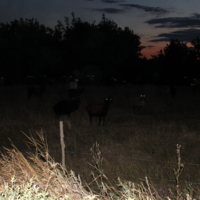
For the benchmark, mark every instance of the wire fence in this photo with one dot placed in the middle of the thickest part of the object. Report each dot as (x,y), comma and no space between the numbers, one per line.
(146,160)
(115,160)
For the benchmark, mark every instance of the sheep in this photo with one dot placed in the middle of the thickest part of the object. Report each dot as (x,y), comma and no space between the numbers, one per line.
(73,85)
(74,93)
(166,89)
(139,102)
(66,107)
(195,85)
(163,90)
(99,110)
(195,88)
(196,81)
(173,91)
(36,91)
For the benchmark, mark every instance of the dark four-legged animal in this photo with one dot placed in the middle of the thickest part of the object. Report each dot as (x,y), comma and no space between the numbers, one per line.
(66,107)
(99,110)
(35,91)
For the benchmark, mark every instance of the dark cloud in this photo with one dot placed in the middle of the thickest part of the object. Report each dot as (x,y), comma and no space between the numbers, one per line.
(153,10)
(186,35)
(112,1)
(176,22)
(109,10)
(109,1)
(149,46)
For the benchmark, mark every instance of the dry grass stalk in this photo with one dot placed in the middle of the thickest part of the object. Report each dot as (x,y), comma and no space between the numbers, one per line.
(38,175)
(45,174)
(125,189)
(178,171)
(143,191)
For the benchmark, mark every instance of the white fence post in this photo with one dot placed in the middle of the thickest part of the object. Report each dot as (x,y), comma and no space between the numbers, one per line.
(62,142)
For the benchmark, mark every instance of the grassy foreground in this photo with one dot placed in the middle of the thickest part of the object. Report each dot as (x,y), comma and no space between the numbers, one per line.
(38,176)
(133,145)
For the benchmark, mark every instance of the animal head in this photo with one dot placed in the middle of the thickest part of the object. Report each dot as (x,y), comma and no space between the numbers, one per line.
(142,96)
(108,100)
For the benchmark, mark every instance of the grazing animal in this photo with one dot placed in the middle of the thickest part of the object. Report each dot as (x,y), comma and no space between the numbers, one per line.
(173,91)
(165,90)
(73,85)
(99,110)
(195,85)
(74,93)
(35,91)
(66,107)
(195,88)
(139,102)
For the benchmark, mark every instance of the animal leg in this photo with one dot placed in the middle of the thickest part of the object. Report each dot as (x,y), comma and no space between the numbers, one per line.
(91,118)
(103,120)
(99,120)
(29,95)
(135,108)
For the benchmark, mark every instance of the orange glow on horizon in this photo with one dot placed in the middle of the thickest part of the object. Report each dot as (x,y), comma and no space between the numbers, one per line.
(148,52)
(151,48)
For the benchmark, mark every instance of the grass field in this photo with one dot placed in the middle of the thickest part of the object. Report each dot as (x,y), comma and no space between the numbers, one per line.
(134,144)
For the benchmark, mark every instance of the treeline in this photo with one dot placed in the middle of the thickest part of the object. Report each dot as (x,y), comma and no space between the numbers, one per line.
(178,63)
(100,51)
(29,48)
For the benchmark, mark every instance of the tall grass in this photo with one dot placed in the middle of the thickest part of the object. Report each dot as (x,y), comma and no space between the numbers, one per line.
(37,176)
(134,145)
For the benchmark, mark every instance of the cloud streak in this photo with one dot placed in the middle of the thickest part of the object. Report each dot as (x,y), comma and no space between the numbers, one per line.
(176,22)
(188,28)
(109,10)
(186,35)
(153,10)
(110,1)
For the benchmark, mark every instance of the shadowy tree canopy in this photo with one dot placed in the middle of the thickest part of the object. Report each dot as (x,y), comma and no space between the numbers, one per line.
(103,44)
(177,60)
(27,47)
(196,47)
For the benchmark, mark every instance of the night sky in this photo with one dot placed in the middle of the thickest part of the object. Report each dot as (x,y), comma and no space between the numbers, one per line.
(155,21)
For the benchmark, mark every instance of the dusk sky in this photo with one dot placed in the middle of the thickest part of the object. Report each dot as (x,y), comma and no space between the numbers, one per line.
(155,21)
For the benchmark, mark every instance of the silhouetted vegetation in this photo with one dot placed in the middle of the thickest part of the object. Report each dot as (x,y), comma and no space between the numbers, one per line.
(177,60)
(28,48)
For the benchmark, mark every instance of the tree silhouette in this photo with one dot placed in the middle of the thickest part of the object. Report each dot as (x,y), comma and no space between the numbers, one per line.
(196,46)
(26,47)
(177,60)
(103,44)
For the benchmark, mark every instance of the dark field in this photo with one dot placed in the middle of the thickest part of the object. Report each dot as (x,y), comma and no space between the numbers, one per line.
(134,144)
